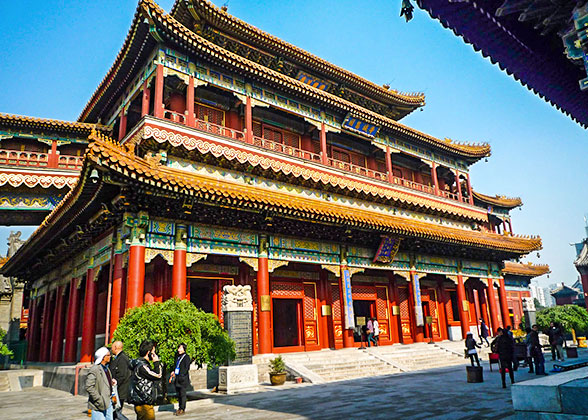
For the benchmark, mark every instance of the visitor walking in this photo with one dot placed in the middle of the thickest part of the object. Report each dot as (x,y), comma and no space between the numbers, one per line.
(181,377)
(505,349)
(556,341)
(509,331)
(376,326)
(143,391)
(529,346)
(370,332)
(537,351)
(471,348)
(484,333)
(99,386)
(120,366)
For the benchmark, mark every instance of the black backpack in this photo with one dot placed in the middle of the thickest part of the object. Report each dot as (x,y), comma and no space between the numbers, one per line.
(142,390)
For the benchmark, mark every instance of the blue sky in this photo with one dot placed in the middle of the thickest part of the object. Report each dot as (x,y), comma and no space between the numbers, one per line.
(56,53)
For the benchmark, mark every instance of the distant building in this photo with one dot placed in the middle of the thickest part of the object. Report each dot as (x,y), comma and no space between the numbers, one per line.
(569,295)
(542,294)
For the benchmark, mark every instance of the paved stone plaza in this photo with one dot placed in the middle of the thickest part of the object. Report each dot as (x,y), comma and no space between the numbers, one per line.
(439,393)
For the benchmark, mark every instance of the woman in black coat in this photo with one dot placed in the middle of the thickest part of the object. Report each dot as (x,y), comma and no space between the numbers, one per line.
(181,375)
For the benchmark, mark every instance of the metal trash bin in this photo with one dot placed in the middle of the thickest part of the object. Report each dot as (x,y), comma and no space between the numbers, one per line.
(571,352)
(475,374)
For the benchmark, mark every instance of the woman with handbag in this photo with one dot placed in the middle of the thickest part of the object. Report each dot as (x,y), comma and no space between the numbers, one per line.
(181,377)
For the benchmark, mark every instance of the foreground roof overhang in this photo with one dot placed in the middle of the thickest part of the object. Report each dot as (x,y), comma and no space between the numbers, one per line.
(536,60)
(46,125)
(526,270)
(498,200)
(108,157)
(151,19)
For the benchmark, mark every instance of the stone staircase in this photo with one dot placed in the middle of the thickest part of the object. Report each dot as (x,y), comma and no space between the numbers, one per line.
(417,356)
(4,383)
(337,365)
(457,348)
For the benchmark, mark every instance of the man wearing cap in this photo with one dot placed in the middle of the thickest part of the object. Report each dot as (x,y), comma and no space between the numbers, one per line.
(99,386)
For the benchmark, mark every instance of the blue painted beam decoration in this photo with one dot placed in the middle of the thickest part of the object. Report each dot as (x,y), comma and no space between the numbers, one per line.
(312,81)
(360,127)
(418,302)
(347,300)
(387,250)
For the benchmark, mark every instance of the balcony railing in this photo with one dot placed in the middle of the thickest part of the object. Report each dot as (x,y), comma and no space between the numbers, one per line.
(39,160)
(304,154)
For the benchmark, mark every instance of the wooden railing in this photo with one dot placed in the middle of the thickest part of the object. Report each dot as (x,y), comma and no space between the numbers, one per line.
(304,154)
(70,162)
(18,158)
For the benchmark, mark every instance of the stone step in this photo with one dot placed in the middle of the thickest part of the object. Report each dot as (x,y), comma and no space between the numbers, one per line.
(4,383)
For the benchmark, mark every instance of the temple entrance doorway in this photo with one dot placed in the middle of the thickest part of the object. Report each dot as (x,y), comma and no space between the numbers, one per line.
(363,311)
(202,293)
(287,320)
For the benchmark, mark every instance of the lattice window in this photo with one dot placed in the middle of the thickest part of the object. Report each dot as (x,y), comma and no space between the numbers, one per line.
(449,309)
(291,139)
(309,302)
(358,159)
(336,308)
(364,292)
(209,114)
(381,166)
(381,302)
(316,147)
(403,298)
(257,131)
(287,289)
(340,155)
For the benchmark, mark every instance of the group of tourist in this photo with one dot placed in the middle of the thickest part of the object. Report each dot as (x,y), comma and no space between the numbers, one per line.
(371,330)
(114,379)
(504,346)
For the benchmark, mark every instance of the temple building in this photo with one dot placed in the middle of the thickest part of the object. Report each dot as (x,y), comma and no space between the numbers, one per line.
(517,279)
(223,155)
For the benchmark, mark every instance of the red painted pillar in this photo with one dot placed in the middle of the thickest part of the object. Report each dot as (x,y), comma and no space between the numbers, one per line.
(117,283)
(179,268)
(389,169)
(71,333)
(158,99)
(47,327)
(89,321)
(442,315)
(248,121)
(470,195)
(492,306)
(136,266)
(53,156)
(483,305)
(122,126)
(503,303)
(32,329)
(584,278)
(190,121)
(264,300)
(434,176)
(145,99)
(460,198)
(324,321)
(58,326)
(395,333)
(462,302)
(324,151)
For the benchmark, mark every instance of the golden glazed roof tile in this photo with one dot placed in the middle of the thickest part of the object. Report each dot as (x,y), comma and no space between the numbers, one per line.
(528,270)
(45,124)
(222,19)
(499,200)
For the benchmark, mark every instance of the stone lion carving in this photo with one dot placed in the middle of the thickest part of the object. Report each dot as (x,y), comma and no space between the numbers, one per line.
(528,304)
(237,298)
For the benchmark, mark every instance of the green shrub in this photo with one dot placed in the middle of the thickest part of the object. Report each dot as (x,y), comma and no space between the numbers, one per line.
(568,316)
(3,347)
(277,365)
(171,323)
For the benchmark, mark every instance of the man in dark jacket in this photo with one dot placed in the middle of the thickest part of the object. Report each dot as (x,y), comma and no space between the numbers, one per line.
(181,376)
(505,350)
(556,341)
(120,366)
(537,351)
(143,391)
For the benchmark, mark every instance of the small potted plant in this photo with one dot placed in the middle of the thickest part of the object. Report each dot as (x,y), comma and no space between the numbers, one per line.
(277,371)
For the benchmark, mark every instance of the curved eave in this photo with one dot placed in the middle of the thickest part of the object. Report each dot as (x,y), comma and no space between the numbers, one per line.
(498,200)
(220,19)
(46,125)
(525,270)
(582,261)
(553,78)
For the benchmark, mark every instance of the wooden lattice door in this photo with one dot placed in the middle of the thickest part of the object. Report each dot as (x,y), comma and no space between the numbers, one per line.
(430,298)
(382,313)
(405,324)
(337,319)
(311,338)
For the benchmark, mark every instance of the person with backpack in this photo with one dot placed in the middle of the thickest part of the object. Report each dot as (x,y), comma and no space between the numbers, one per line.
(537,351)
(471,345)
(143,391)
(181,376)
(505,350)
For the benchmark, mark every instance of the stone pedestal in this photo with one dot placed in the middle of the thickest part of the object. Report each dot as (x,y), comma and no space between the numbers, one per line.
(235,379)
(237,306)
(529,312)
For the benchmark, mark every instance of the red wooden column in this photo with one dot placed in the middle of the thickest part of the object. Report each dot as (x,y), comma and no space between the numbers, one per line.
(59,327)
(389,169)
(483,305)
(324,151)
(470,195)
(583,270)
(179,269)
(89,320)
(136,266)
(395,333)
(248,121)
(503,304)
(434,176)
(263,299)
(122,126)
(117,287)
(47,327)
(323,318)
(71,332)
(492,306)
(158,99)
(53,156)
(462,302)
(442,315)
(190,120)
(33,329)
(145,98)
(458,185)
